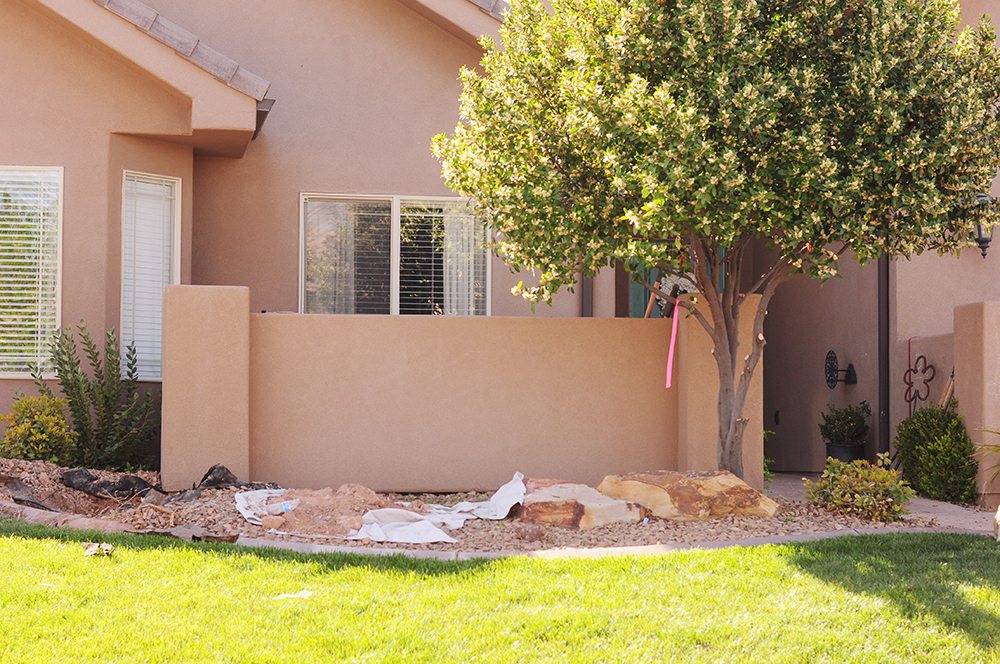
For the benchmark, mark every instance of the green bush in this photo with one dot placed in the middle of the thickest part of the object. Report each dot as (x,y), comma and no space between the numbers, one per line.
(116,425)
(846,426)
(37,430)
(862,489)
(936,454)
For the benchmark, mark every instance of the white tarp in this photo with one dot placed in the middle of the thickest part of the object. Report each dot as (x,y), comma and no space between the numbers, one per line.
(253,504)
(406,527)
(391,524)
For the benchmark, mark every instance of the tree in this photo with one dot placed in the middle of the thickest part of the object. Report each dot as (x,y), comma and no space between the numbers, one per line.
(680,134)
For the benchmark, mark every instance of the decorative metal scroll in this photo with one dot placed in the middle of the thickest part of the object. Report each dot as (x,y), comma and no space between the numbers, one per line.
(918,382)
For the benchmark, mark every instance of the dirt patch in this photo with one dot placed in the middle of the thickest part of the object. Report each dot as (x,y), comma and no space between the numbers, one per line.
(326,516)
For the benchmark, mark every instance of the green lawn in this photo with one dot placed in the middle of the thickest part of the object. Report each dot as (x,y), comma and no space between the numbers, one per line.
(896,598)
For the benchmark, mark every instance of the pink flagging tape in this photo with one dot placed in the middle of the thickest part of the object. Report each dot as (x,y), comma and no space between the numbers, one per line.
(673,343)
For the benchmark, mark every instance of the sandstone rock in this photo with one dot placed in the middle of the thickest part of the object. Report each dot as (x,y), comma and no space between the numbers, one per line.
(689,496)
(576,506)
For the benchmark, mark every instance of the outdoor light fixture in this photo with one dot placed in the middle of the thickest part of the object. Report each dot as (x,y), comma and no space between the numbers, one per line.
(983,232)
(832,371)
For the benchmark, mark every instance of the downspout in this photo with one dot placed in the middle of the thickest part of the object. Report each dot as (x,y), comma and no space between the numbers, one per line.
(587,297)
(883,353)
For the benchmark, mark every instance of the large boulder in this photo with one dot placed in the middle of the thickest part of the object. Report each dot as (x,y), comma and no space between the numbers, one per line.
(575,506)
(689,496)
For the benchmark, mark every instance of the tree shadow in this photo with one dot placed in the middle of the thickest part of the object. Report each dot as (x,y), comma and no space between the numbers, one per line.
(330,562)
(919,573)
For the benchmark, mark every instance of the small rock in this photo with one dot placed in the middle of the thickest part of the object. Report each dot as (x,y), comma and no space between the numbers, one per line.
(530,532)
(188,496)
(154,497)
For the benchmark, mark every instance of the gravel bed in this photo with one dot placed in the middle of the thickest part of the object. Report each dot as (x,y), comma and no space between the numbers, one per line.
(214,511)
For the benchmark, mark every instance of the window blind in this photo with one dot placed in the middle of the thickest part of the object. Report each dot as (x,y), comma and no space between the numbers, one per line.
(348,255)
(29,266)
(148,231)
(442,261)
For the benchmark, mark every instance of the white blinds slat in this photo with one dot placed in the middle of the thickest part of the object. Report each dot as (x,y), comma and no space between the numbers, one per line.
(148,231)
(29,266)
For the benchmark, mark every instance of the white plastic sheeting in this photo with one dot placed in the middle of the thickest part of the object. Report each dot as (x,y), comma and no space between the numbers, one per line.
(406,527)
(392,524)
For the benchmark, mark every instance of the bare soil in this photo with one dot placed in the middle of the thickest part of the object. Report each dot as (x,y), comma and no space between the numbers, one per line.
(214,511)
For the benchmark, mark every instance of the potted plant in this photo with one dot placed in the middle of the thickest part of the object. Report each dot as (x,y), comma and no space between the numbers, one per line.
(845,431)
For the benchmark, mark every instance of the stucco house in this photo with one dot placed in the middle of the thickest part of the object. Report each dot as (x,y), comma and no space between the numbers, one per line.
(282,149)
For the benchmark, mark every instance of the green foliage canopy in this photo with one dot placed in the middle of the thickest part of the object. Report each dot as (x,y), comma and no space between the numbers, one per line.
(635,130)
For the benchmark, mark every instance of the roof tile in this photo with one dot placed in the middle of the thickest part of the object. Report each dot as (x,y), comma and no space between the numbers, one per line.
(215,63)
(173,35)
(134,12)
(189,46)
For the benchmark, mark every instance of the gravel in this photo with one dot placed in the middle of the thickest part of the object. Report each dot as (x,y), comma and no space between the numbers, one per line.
(214,511)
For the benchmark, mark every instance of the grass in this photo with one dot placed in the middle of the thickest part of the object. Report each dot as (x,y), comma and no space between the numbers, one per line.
(904,597)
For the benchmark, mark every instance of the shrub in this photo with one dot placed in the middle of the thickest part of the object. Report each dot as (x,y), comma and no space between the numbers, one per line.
(936,454)
(114,423)
(870,491)
(846,426)
(37,430)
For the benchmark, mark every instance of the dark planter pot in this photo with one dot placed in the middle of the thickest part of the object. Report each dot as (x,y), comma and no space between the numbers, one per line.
(845,452)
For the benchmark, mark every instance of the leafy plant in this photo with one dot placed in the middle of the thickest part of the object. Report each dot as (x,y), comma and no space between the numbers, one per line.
(37,430)
(113,421)
(846,426)
(936,454)
(860,488)
(684,135)
(768,473)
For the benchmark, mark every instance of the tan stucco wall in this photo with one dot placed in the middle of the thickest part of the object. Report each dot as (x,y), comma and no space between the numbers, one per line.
(977,384)
(67,98)
(427,403)
(805,320)
(209,325)
(361,88)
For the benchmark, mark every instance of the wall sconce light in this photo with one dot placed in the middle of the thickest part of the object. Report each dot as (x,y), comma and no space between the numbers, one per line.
(832,371)
(983,232)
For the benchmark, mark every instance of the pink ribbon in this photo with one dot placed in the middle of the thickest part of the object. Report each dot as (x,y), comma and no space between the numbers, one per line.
(673,343)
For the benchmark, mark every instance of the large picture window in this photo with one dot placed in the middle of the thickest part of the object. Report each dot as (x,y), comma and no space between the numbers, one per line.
(393,255)
(150,262)
(30,217)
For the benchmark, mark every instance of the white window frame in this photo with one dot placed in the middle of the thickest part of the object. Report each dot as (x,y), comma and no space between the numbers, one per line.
(59,257)
(175,264)
(395,202)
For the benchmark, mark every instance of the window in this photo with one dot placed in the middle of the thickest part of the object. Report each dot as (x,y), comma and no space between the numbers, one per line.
(372,255)
(150,262)
(30,218)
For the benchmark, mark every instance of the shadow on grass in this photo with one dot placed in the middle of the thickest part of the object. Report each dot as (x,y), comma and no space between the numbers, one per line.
(921,574)
(331,561)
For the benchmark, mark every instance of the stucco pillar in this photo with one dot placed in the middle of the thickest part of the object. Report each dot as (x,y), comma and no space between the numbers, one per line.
(696,380)
(977,383)
(206,383)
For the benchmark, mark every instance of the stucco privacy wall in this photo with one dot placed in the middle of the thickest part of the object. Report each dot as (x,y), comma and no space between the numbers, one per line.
(70,97)
(361,88)
(428,403)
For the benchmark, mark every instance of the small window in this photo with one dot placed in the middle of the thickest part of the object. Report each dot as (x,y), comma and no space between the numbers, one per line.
(150,257)
(393,255)
(30,217)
